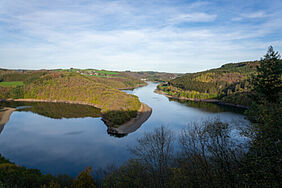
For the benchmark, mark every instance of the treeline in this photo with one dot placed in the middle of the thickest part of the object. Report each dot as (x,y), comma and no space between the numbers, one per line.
(191,94)
(12,175)
(152,76)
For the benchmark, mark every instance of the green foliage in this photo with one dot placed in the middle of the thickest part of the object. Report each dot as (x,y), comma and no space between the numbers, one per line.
(225,82)
(117,106)
(262,165)
(267,83)
(191,94)
(12,175)
(11,92)
(11,84)
(119,117)
(242,98)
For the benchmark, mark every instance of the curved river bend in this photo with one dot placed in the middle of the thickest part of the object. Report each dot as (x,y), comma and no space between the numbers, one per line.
(69,145)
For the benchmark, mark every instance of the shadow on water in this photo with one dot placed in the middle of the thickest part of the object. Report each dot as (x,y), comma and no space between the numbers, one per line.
(47,109)
(117,135)
(54,110)
(209,106)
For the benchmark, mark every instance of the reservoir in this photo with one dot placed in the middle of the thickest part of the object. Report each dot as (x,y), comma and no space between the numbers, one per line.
(65,138)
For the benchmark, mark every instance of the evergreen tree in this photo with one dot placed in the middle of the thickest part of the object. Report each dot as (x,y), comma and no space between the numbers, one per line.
(263,163)
(267,83)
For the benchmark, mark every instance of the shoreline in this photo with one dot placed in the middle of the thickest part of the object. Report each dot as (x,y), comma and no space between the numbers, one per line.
(131,88)
(5,114)
(133,124)
(51,101)
(200,100)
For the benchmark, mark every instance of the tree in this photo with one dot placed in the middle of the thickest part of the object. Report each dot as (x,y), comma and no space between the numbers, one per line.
(262,165)
(84,179)
(209,156)
(267,83)
(155,152)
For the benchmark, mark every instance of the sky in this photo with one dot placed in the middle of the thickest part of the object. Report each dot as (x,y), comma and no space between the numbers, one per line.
(138,35)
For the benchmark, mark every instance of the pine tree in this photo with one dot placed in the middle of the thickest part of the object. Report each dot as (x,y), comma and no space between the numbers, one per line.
(263,162)
(267,83)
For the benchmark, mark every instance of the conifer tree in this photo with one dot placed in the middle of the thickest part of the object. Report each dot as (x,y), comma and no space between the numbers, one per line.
(267,83)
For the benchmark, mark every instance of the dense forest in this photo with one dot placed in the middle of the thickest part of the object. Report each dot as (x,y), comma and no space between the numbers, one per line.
(116,106)
(208,156)
(229,83)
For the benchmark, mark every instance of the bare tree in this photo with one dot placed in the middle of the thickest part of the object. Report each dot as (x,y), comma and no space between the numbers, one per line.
(209,156)
(155,151)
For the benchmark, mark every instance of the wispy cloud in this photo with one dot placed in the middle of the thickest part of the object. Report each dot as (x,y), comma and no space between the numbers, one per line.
(137,35)
(251,15)
(193,17)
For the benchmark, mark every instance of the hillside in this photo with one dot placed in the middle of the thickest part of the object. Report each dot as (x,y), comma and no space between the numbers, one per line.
(153,76)
(118,80)
(116,106)
(229,83)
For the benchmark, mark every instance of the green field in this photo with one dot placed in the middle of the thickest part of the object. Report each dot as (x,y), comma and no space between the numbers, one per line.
(11,84)
(106,72)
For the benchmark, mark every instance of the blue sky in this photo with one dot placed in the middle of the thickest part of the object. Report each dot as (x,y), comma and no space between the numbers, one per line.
(160,35)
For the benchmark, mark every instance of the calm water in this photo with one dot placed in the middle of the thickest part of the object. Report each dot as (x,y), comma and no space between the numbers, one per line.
(68,143)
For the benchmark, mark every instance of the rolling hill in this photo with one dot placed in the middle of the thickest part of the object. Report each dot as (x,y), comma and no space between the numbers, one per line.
(71,86)
(230,83)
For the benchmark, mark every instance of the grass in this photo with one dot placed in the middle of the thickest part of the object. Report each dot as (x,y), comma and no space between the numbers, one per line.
(103,72)
(11,84)
(106,72)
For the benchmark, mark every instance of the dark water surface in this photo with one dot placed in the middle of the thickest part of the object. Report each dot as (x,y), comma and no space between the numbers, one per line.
(65,139)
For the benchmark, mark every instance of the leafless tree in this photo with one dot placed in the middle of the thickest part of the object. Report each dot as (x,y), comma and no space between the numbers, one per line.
(155,151)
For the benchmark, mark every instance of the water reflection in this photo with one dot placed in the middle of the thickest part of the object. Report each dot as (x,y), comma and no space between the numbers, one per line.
(48,109)
(67,141)
(209,106)
(54,110)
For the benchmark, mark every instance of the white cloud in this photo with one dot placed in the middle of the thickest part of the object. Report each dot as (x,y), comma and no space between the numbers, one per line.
(122,36)
(251,15)
(193,17)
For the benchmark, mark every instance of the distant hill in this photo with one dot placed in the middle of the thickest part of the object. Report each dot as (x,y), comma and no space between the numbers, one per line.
(229,83)
(153,76)
(64,85)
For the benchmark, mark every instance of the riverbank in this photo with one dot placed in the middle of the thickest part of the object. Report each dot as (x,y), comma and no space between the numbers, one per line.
(54,101)
(132,125)
(5,114)
(200,100)
(131,88)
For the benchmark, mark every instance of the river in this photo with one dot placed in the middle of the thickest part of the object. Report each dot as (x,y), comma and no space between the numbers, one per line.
(69,144)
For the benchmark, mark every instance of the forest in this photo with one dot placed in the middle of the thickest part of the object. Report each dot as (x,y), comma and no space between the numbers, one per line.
(207,155)
(230,83)
(68,86)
